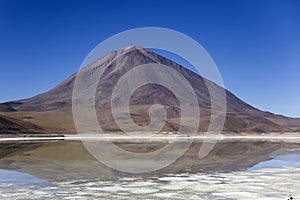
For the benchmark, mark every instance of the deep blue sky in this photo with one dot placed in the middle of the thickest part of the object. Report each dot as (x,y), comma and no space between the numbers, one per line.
(255,44)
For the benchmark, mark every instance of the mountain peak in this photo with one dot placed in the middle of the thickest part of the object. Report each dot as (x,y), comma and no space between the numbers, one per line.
(129,48)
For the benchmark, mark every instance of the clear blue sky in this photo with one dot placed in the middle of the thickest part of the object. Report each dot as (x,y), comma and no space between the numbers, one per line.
(256,44)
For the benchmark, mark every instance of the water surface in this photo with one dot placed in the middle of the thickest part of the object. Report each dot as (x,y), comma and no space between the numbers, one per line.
(233,170)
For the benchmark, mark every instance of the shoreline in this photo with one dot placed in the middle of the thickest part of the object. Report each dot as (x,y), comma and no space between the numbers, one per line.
(116,137)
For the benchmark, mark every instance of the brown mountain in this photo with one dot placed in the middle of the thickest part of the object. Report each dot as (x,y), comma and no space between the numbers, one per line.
(52,110)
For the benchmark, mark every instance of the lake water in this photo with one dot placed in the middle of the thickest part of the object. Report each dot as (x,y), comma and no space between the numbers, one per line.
(274,178)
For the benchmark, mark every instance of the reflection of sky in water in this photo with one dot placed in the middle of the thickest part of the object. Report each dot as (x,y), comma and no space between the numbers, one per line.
(19,179)
(273,179)
(290,160)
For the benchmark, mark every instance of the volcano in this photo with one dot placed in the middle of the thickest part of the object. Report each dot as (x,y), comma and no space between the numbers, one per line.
(52,111)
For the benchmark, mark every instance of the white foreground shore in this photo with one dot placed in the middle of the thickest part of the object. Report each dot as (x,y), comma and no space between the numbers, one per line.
(288,137)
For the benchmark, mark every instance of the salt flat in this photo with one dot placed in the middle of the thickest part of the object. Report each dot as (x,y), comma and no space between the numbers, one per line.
(287,137)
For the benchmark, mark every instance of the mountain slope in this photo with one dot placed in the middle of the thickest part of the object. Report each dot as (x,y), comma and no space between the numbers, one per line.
(9,125)
(52,109)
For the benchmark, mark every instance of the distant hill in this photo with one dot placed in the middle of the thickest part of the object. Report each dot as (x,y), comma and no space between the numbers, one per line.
(5,107)
(52,110)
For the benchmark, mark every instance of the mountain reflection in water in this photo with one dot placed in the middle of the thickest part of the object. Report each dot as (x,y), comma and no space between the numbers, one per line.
(237,170)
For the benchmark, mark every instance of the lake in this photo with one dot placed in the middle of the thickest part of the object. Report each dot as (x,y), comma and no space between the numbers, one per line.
(233,170)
